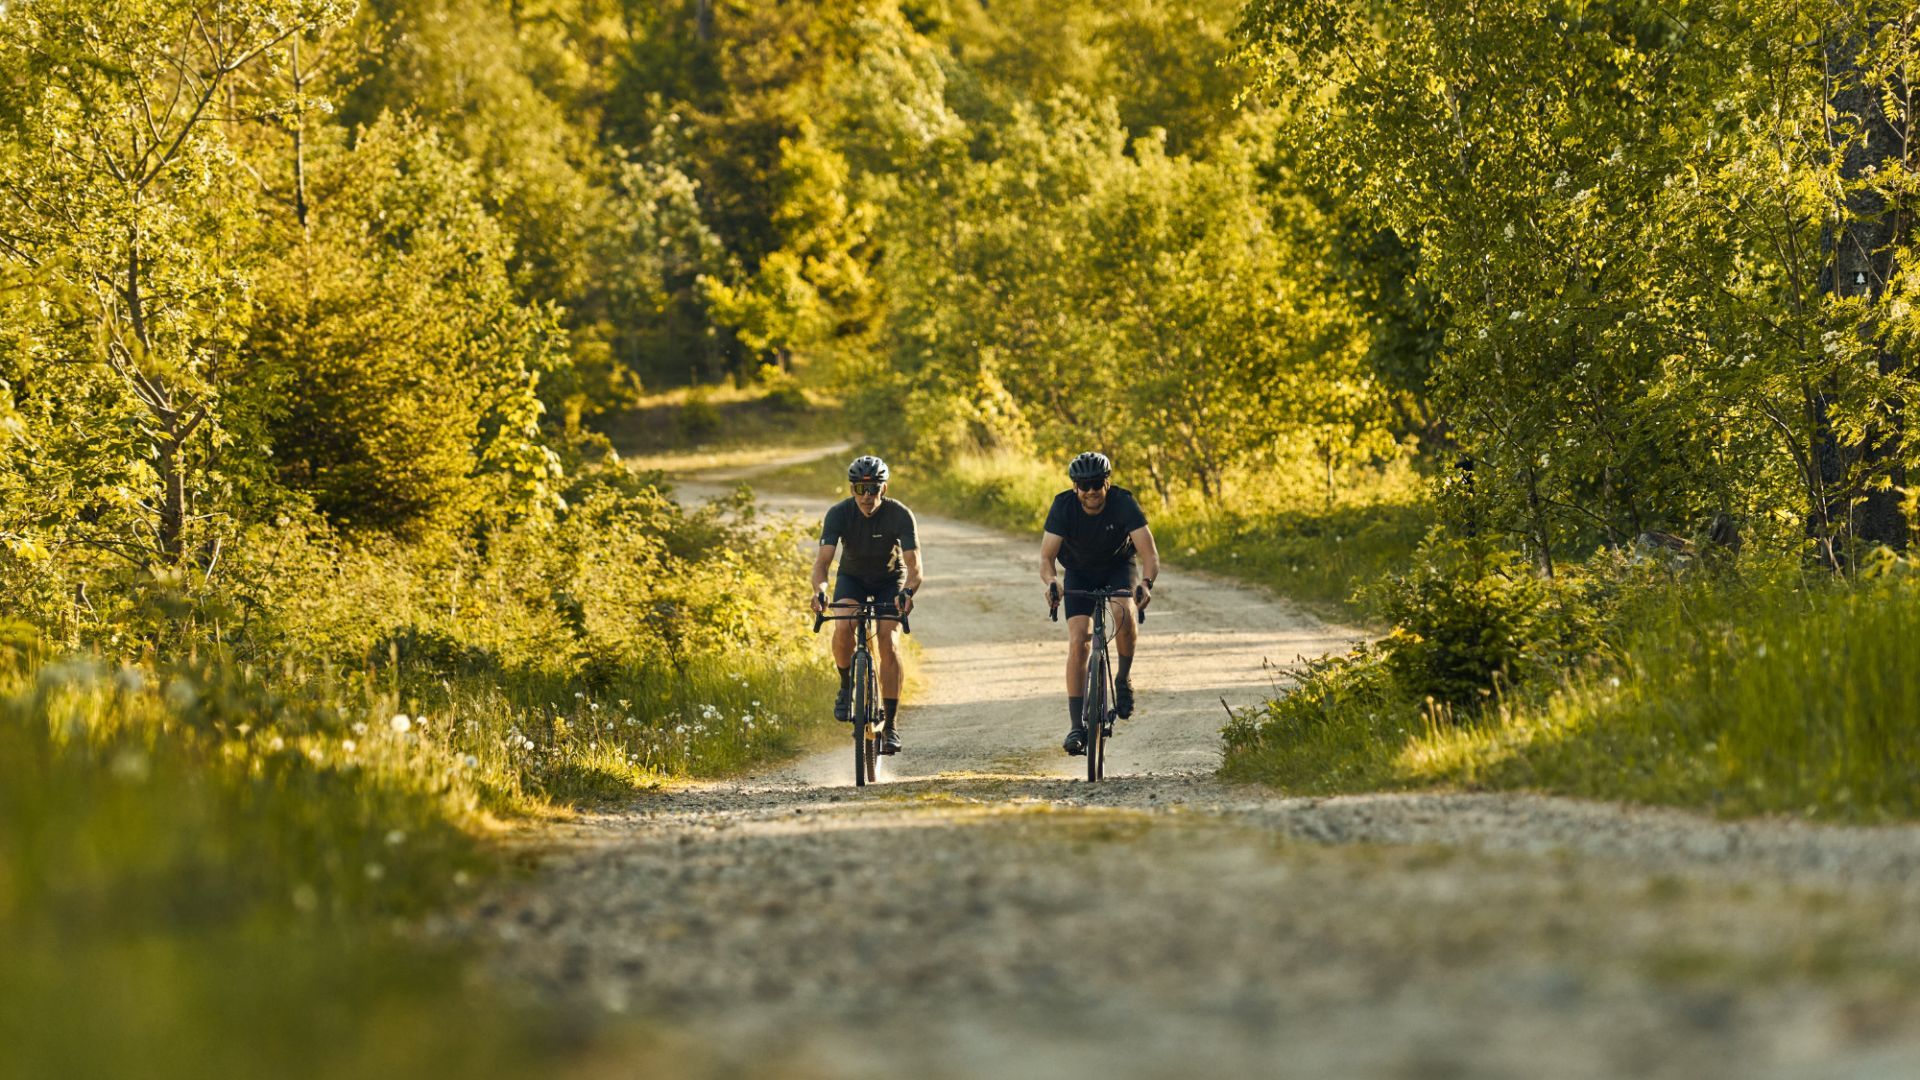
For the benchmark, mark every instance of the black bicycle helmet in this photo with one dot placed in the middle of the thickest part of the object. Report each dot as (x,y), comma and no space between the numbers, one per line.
(867,469)
(1091,465)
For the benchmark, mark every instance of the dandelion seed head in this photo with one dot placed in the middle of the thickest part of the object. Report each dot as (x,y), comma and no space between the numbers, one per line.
(401,723)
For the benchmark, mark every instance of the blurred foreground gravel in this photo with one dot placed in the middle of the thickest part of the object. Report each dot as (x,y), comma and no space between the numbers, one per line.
(1170,926)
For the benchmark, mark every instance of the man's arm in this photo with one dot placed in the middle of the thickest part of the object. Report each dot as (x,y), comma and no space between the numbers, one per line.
(1049,551)
(1149,560)
(822,562)
(909,558)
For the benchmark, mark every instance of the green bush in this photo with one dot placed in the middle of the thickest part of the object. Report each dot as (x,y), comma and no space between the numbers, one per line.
(698,418)
(1469,624)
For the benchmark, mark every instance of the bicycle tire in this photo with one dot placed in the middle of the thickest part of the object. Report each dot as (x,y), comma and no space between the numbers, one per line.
(1093,709)
(862,710)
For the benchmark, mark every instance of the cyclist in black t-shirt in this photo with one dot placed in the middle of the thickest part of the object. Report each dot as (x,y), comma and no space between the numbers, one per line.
(1099,533)
(880,557)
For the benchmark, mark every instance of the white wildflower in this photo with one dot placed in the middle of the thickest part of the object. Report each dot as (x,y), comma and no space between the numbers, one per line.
(401,723)
(470,761)
(395,837)
(349,745)
(360,729)
(375,871)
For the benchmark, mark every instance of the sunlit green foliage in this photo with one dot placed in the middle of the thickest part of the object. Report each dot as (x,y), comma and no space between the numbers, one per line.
(1619,211)
(403,367)
(1774,698)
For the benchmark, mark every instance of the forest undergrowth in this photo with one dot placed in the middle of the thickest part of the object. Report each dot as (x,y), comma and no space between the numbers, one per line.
(222,801)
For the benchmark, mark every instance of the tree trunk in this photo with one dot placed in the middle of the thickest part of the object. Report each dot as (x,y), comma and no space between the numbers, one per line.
(1861,264)
(300,211)
(173,502)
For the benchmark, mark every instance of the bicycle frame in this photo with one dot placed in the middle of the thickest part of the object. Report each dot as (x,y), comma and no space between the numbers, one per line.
(868,715)
(1096,703)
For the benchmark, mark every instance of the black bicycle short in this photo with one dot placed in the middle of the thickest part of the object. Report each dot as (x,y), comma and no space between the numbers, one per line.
(883,590)
(1124,575)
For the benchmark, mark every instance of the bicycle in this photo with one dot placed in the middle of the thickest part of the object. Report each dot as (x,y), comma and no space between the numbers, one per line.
(868,715)
(1098,699)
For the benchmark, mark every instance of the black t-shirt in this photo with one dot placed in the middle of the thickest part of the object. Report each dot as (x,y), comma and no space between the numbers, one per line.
(1095,541)
(870,547)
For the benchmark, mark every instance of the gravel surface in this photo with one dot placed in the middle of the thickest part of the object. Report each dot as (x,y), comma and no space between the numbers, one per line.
(977,914)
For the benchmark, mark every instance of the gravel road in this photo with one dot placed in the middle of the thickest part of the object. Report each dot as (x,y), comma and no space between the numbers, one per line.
(979,914)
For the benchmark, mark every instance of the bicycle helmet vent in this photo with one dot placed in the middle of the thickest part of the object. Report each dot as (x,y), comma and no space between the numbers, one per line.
(869,469)
(1089,466)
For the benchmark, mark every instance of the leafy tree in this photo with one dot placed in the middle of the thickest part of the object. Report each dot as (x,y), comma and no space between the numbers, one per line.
(1618,211)
(118,192)
(403,366)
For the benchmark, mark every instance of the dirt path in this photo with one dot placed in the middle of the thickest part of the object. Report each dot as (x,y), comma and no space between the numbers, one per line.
(994,701)
(979,915)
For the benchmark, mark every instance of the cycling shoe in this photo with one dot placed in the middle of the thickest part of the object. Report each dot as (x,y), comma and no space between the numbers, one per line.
(843,704)
(890,741)
(1123,699)
(1075,743)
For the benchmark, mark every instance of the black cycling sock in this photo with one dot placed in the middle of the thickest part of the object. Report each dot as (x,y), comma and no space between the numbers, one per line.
(1126,665)
(846,678)
(1073,709)
(893,706)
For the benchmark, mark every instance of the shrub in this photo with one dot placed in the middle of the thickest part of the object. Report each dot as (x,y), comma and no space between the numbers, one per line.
(1467,624)
(699,418)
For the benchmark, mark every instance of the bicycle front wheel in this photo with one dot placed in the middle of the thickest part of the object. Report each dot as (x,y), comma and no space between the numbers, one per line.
(863,747)
(1093,711)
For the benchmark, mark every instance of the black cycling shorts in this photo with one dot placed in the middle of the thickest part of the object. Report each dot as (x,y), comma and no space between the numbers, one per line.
(883,589)
(1121,575)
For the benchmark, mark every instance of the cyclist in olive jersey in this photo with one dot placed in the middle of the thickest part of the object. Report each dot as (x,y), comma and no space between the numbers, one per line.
(1099,534)
(881,559)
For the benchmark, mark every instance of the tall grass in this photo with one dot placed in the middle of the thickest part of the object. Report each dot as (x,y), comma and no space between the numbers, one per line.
(221,798)
(1743,699)
(195,878)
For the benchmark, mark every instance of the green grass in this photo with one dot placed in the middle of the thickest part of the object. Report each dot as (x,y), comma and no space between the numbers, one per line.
(213,857)
(713,420)
(1288,536)
(1799,700)
(220,812)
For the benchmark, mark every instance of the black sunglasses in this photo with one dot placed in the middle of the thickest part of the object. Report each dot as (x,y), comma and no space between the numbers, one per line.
(1090,485)
(867,489)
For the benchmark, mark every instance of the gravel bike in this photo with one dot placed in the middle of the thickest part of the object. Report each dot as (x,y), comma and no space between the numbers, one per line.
(868,714)
(1097,700)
